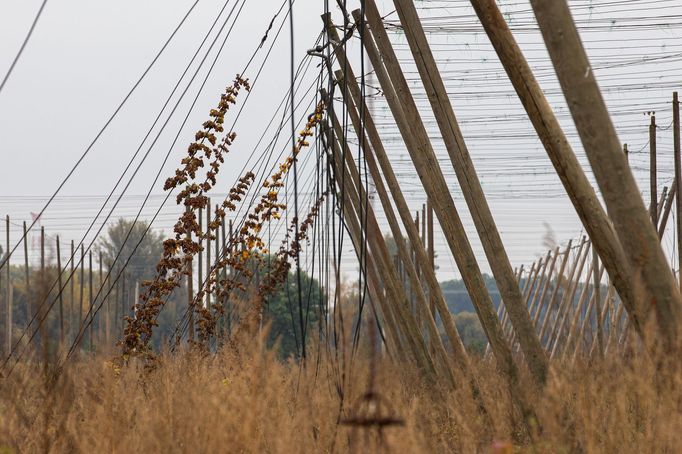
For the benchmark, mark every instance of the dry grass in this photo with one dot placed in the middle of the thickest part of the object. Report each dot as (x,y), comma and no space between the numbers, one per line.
(248,401)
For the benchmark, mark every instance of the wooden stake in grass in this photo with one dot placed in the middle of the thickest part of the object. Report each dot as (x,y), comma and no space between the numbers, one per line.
(617,184)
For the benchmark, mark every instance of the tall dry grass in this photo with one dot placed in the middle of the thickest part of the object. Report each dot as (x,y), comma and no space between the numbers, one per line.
(245,400)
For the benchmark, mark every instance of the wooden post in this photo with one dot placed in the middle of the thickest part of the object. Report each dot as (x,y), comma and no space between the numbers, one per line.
(394,289)
(200,264)
(423,311)
(72,295)
(431,250)
(597,297)
(618,187)
(378,152)
(8,294)
(90,298)
(100,334)
(190,295)
(208,252)
(532,305)
(653,187)
(29,299)
(471,188)
(422,154)
(555,293)
(577,186)
(376,241)
(81,281)
(61,300)
(678,179)
(567,303)
(541,302)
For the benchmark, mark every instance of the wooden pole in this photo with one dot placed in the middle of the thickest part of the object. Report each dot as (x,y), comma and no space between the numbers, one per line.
(61,300)
(81,282)
(100,334)
(560,278)
(653,187)
(422,154)
(541,302)
(190,295)
(567,304)
(8,295)
(532,305)
(394,289)
(575,182)
(208,251)
(678,179)
(471,189)
(597,297)
(378,153)
(423,311)
(90,298)
(72,293)
(200,261)
(617,184)
(29,298)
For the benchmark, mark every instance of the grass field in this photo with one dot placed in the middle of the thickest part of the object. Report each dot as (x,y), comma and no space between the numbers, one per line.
(245,400)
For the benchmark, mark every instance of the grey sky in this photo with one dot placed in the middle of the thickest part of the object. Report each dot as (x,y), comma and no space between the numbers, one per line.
(85,55)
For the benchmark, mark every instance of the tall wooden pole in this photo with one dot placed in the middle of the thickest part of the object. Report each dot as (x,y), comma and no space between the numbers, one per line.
(541,302)
(81,281)
(597,297)
(553,299)
(567,304)
(190,295)
(72,290)
(471,187)
(418,145)
(200,259)
(575,182)
(29,298)
(61,300)
(90,298)
(208,250)
(678,179)
(653,187)
(8,294)
(100,333)
(617,184)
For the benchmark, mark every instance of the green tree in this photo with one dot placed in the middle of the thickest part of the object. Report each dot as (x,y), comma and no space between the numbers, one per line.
(141,266)
(471,332)
(282,313)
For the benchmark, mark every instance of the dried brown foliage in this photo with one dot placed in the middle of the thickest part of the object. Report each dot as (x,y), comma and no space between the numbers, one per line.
(244,400)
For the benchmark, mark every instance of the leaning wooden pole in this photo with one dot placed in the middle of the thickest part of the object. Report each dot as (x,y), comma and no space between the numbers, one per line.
(423,311)
(419,147)
(575,182)
(616,182)
(395,291)
(378,151)
(461,359)
(471,188)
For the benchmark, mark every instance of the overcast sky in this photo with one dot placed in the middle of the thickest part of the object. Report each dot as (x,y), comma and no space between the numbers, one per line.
(84,56)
